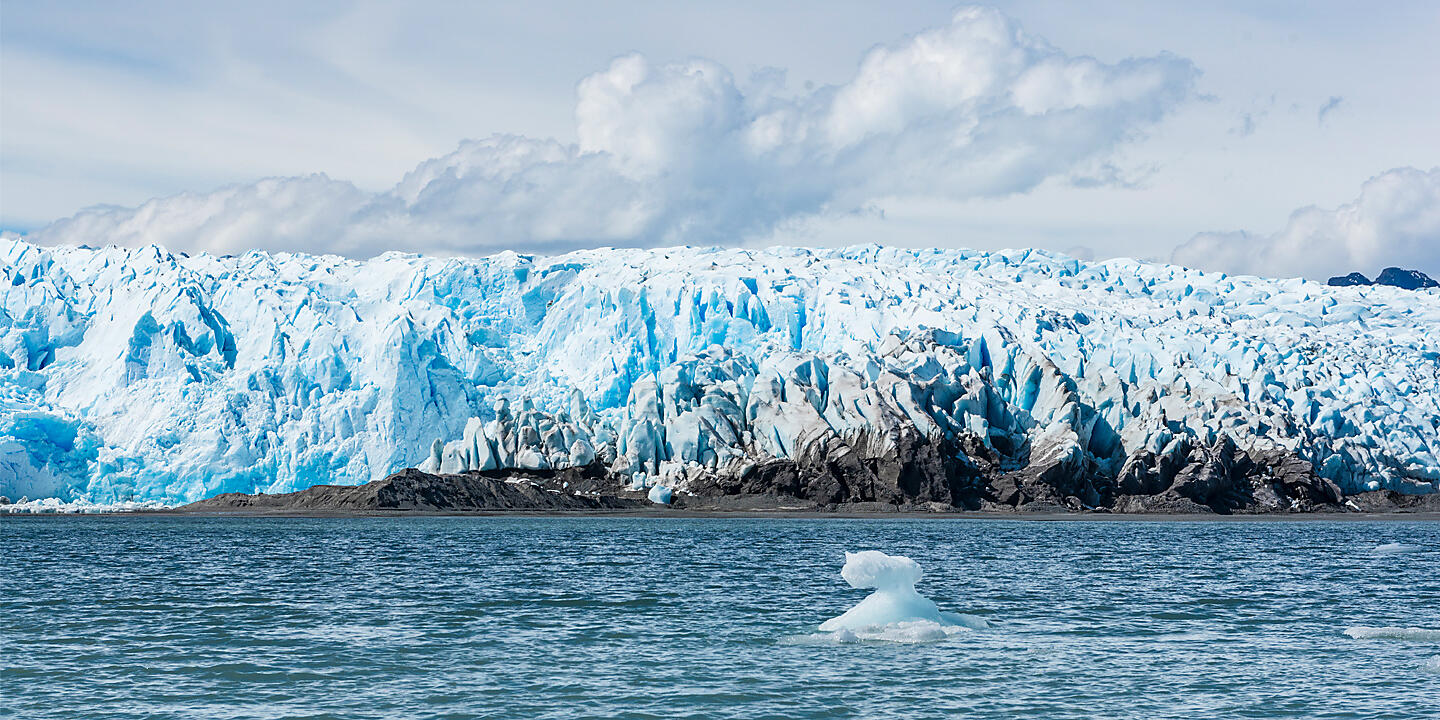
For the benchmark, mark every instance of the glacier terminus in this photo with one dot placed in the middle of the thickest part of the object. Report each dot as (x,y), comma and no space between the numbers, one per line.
(859,374)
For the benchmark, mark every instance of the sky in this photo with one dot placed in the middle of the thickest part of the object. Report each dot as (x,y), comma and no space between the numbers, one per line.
(1272,138)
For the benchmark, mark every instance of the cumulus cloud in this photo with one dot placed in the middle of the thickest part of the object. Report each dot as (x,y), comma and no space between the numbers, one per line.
(1395,221)
(682,153)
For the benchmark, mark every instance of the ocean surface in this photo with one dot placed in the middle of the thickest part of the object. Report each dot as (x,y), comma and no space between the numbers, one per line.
(198,618)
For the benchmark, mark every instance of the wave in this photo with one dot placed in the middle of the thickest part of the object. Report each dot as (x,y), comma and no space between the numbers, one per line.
(907,632)
(1395,549)
(1361,632)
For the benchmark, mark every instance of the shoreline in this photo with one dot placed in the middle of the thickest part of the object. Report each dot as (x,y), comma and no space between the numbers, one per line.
(413,493)
(665,513)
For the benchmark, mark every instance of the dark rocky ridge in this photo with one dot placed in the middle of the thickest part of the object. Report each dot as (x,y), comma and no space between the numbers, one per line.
(413,490)
(1391,276)
(1203,479)
(925,477)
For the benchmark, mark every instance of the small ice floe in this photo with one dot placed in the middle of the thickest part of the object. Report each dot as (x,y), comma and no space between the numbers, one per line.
(895,612)
(1395,549)
(1407,634)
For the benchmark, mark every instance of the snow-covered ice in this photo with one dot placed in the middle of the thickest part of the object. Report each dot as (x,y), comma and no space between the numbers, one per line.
(139,375)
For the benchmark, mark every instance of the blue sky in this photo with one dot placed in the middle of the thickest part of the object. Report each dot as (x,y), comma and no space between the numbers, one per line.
(1294,138)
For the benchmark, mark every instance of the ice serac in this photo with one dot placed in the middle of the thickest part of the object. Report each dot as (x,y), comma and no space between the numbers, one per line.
(849,375)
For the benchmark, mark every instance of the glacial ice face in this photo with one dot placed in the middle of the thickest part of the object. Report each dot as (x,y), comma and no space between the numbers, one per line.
(139,375)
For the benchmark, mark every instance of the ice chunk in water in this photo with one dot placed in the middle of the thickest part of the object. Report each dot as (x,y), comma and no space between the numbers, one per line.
(1395,549)
(1410,634)
(895,603)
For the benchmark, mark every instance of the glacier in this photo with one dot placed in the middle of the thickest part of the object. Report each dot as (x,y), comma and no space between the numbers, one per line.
(138,375)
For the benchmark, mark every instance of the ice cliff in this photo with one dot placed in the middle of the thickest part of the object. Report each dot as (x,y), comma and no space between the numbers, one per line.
(138,374)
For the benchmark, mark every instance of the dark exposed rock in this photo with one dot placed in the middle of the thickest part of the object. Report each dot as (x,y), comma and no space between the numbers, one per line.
(1405,279)
(833,472)
(416,491)
(1165,503)
(1215,476)
(1351,280)
(1219,478)
(743,502)
(968,475)
(1391,276)
(924,476)
(1295,479)
(1146,473)
(1388,501)
(592,479)
(1225,479)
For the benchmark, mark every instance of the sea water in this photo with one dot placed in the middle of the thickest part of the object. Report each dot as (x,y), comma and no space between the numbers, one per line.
(531,617)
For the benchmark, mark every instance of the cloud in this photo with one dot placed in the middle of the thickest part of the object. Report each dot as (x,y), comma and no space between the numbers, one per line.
(1327,107)
(1248,122)
(683,153)
(1395,221)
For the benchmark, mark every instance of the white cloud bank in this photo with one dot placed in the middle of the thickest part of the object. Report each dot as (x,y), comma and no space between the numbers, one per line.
(1394,222)
(681,153)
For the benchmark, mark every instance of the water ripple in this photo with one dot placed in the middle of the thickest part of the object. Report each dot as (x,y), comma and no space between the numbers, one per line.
(217,618)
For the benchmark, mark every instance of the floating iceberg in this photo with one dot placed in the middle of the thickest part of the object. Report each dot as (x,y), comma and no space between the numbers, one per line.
(140,375)
(895,611)
(894,600)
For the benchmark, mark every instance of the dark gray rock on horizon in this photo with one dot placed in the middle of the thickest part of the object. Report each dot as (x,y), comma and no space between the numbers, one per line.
(1214,479)
(1390,276)
(416,491)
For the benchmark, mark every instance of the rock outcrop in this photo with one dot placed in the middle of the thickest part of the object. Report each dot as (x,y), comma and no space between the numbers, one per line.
(415,491)
(1389,277)
(1217,479)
